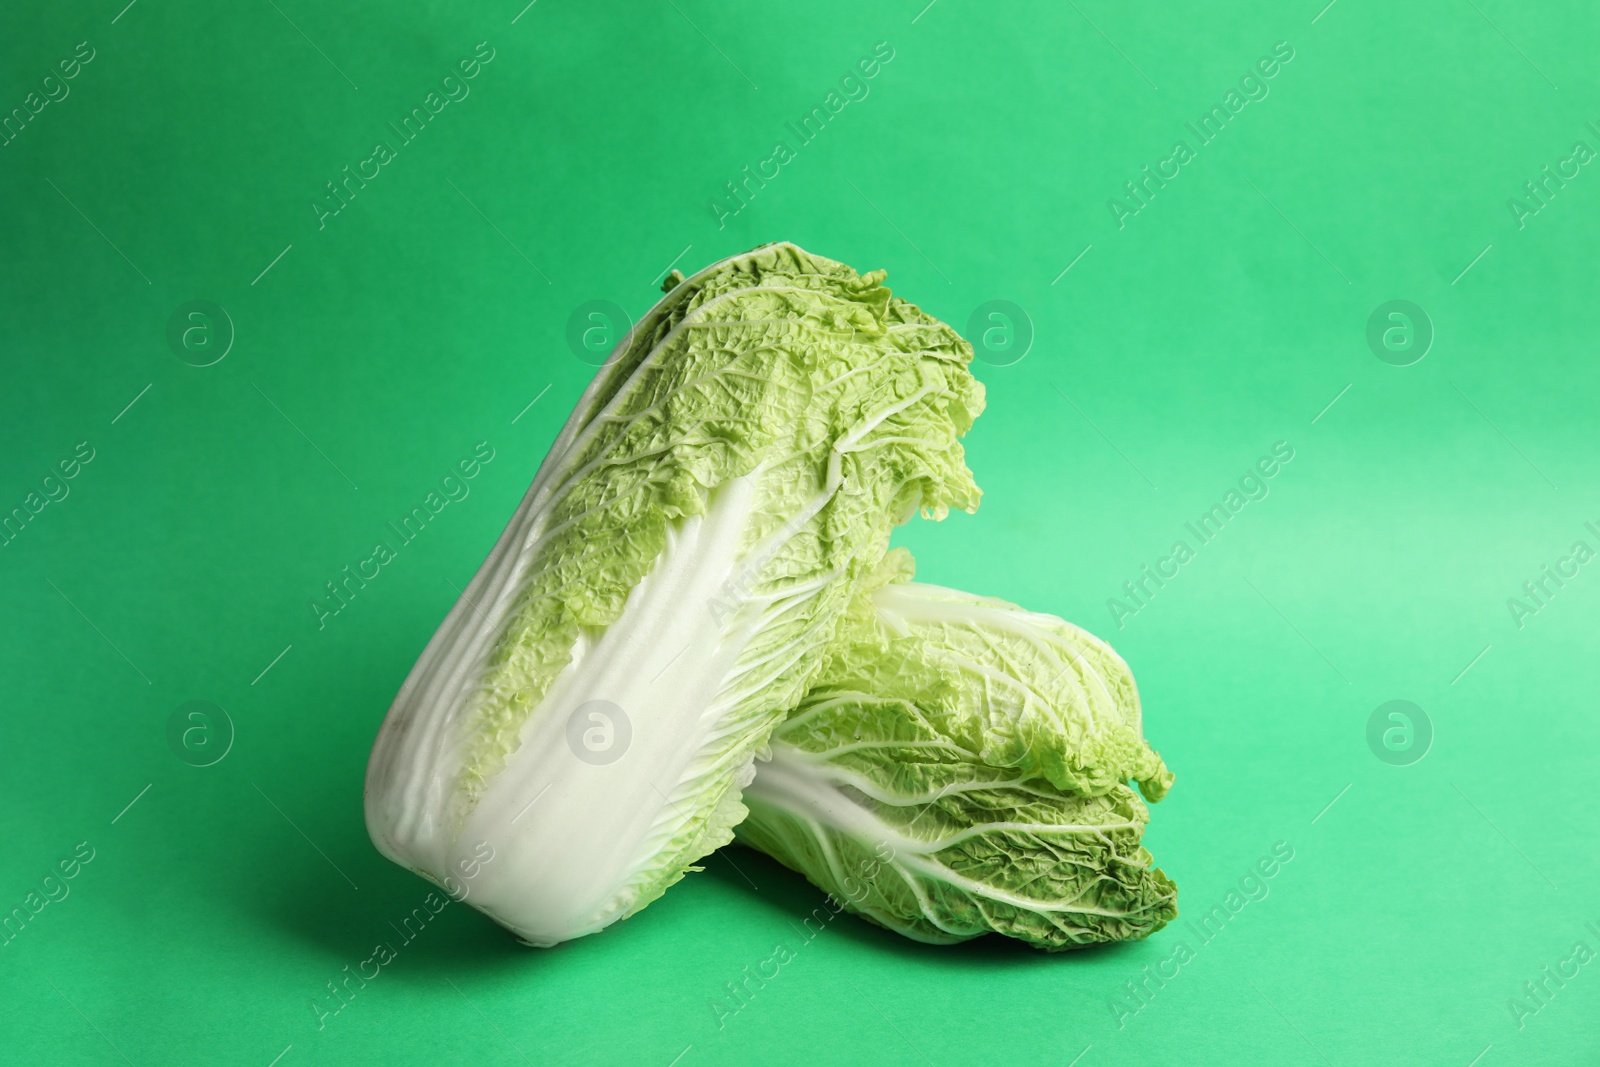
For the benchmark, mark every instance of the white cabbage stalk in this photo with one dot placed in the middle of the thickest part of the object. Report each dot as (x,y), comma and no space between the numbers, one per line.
(961,768)
(668,588)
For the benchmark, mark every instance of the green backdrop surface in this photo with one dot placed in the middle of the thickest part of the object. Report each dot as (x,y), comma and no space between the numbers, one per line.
(1169,318)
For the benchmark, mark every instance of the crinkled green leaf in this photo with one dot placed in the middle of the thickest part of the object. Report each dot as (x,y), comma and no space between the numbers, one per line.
(1019,688)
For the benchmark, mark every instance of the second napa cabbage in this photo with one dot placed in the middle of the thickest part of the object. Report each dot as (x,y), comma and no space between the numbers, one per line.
(961,768)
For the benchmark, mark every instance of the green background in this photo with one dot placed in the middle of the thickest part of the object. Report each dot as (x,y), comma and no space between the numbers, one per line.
(1222,318)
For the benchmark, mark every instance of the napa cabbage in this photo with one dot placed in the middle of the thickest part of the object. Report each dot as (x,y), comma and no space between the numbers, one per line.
(962,767)
(669,588)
